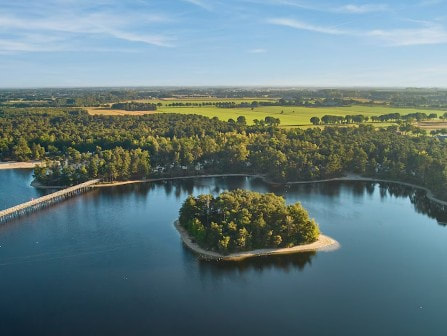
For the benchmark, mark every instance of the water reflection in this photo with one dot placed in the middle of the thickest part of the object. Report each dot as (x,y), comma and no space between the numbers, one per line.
(418,198)
(284,263)
(359,189)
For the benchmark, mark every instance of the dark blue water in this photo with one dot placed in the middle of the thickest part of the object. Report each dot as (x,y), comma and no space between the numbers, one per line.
(15,187)
(110,262)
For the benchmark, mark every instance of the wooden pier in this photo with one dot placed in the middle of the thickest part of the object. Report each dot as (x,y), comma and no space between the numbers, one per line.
(44,201)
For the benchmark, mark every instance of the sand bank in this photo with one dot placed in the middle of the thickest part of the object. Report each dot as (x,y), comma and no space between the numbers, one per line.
(19,165)
(118,183)
(324,243)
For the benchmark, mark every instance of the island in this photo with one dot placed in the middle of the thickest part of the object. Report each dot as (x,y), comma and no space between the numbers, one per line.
(240,224)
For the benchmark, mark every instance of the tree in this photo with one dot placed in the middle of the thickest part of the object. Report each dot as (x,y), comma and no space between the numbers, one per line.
(21,150)
(315,120)
(38,152)
(241,120)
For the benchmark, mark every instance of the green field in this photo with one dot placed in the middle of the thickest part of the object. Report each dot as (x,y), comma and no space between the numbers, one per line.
(290,116)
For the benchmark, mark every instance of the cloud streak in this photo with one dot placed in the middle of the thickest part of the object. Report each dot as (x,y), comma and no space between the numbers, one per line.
(257,51)
(362,9)
(427,35)
(199,3)
(64,25)
(329,8)
(433,34)
(301,25)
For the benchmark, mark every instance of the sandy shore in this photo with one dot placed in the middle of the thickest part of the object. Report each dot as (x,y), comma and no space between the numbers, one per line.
(113,184)
(19,165)
(324,243)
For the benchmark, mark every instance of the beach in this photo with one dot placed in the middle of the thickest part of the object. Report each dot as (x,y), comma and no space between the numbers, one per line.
(19,165)
(324,243)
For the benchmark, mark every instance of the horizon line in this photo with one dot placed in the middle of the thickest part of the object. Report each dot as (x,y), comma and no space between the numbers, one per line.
(221,86)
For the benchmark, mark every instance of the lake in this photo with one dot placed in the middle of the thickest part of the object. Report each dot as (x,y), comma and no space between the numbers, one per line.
(15,187)
(110,262)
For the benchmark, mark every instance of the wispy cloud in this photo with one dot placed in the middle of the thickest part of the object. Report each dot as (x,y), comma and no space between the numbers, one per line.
(433,34)
(59,28)
(297,24)
(425,3)
(93,24)
(200,3)
(257,51)
(330,8)
(362,9)
(430,33)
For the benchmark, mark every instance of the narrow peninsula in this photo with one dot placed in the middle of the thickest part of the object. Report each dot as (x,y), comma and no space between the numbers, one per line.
(240,224)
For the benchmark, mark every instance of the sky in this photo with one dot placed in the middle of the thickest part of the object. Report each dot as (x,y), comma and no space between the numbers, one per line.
(320,43)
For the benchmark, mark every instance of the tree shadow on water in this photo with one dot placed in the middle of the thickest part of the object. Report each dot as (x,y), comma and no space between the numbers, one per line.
(285,263)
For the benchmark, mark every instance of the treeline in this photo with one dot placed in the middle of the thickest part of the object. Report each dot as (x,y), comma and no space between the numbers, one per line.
(223,104)
(242,220)
(257,103)
(134,106)
(333,119)
(189,144)
(72,97)
(418,116)
(109,165)
(395,117)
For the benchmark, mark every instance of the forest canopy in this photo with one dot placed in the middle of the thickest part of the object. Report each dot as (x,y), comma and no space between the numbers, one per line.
(174,145)
(243,220)
(134,106)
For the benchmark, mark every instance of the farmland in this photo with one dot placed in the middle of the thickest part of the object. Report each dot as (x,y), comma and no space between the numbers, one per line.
(290,116)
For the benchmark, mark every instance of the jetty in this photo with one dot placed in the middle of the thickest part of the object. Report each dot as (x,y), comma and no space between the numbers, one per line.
(44,201)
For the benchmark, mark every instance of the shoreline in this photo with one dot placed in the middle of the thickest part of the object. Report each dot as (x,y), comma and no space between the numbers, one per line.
(348,178)
(161,179)
(39,185)
(19,165)
(324,243)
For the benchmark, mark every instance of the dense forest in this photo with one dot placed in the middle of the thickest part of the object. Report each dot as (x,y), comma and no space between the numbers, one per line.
(134,106)
(178,145)
(111,165)
(242,220)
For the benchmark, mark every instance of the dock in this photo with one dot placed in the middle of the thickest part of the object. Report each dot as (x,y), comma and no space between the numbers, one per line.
(44,201)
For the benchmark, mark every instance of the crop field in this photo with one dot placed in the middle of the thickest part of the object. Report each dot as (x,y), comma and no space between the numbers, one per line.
(290,116)
(432,125)
(104,111)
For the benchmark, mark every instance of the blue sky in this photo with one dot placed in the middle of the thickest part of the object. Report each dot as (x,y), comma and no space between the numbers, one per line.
(48,43)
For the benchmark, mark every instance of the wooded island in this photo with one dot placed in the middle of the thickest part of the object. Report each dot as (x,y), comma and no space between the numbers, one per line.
(242,220)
